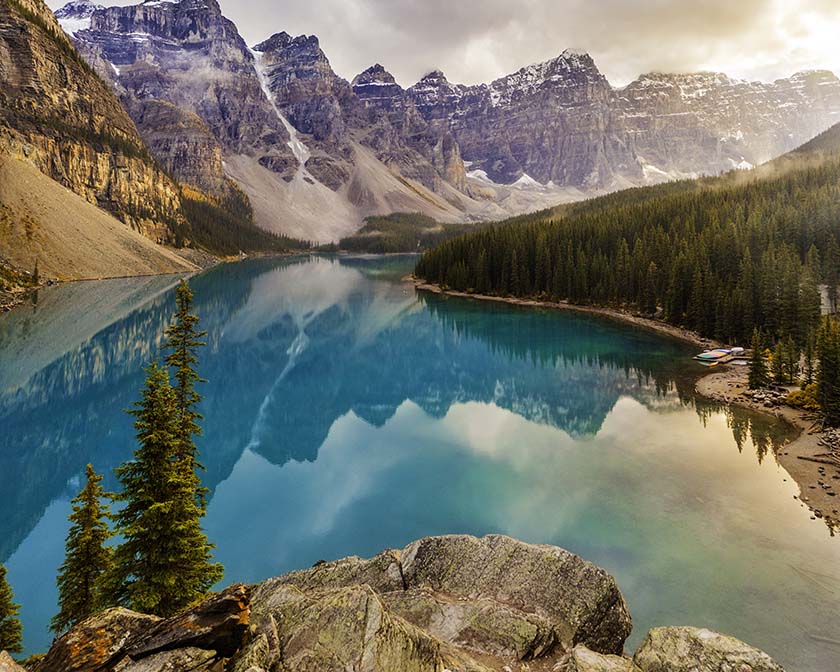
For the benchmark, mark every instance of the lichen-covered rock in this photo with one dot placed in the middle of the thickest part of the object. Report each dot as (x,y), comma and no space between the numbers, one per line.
(699,650)
(581,659)
(482,625)
(7,663)
(119,639)
(581,600)
(180,660)
(342,628)
(382,573)
(96,642)
(218,624)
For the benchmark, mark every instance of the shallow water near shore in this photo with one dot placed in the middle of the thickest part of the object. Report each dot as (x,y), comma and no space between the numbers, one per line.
(345,413)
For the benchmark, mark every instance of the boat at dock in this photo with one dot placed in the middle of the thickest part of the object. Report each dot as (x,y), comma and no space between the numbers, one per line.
(719,356)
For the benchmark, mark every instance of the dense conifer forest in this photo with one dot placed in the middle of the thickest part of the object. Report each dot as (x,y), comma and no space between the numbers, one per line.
(721,256)
(401,232)
(227,227)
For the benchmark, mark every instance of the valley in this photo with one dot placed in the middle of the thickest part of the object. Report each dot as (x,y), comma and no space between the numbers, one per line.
(304,369)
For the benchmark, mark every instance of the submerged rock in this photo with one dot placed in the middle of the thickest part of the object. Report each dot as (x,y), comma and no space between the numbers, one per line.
(453,603)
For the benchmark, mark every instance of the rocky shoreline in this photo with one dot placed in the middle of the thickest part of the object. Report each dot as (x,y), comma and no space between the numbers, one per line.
(452,603)
(819,483)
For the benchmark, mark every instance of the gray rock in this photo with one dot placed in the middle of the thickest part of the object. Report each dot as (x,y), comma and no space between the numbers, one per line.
(580,600)
(581,659)
(95,643)
(8,664)
(341,628)
(698,650)
(482,625)
(180,660)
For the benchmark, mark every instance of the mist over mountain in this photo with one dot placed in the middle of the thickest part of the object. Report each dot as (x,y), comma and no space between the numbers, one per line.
(316,154)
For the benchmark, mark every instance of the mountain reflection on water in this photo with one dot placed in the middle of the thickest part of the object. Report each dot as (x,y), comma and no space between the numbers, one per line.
(346,413)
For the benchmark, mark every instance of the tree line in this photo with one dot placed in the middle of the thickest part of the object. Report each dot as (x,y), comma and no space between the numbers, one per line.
(720,256)
(162,562)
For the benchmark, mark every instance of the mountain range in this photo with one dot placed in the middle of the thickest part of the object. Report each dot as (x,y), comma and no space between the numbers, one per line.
(271,130)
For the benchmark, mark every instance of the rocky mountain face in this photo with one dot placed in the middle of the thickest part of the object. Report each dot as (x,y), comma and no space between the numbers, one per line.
(561,122)
(276,119)
(316,153)
(685,125)
(453,603)
(56,114)
(553,122)
(188,80)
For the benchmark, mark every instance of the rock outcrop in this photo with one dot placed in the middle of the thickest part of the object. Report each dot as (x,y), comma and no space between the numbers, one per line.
(454,603)
(690,649)
(7,663)
(118,639)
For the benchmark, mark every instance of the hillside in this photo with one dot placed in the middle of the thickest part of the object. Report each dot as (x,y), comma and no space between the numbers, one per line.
(401,232)
(61,117)
(69,238)
(719,256)
(317,154)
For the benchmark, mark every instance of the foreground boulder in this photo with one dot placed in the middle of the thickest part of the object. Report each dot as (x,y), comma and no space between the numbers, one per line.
(581,659)
(119,639)
(455,603)
(697,649)
(7,663)
(527,599)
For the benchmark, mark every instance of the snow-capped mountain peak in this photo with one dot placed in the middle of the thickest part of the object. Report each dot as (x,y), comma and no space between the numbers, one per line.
(76,16)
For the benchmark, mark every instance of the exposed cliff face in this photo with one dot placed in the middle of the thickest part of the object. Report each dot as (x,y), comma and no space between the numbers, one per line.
(291,132)
(316,154)
(708,122)
(444,603)
(561,122)
(553,121)
(186,54)
(58,115)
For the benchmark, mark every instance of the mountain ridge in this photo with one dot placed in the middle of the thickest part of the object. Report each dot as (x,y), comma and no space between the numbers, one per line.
(551,132)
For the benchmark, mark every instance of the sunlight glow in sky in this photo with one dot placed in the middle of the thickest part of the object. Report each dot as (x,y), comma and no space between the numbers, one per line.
(478,40)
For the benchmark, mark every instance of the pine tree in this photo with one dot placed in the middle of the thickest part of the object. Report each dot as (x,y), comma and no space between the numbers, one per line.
(164,563)
(828,378)
(11,630)
(778,363)
(183,340)
(88,560)
(758,376)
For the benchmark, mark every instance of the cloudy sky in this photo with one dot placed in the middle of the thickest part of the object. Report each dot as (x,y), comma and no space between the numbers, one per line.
(479,40)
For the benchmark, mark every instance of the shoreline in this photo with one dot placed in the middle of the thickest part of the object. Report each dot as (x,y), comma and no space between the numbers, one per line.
(728,385)
(816,480)
(657,326)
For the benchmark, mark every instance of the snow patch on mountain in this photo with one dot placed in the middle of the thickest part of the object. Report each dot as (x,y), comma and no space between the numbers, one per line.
(76,16)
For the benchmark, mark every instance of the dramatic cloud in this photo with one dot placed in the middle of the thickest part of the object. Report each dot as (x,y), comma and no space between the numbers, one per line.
(478,40)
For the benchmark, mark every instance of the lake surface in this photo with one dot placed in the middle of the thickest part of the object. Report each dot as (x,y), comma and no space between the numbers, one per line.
(346,414)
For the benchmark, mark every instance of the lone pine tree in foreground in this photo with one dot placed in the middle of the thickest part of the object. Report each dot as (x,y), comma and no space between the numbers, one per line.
(88,560)
(11,631)
(165,561)
(183,340)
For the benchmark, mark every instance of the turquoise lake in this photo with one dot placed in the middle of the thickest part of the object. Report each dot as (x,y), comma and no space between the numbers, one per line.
(346,413)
